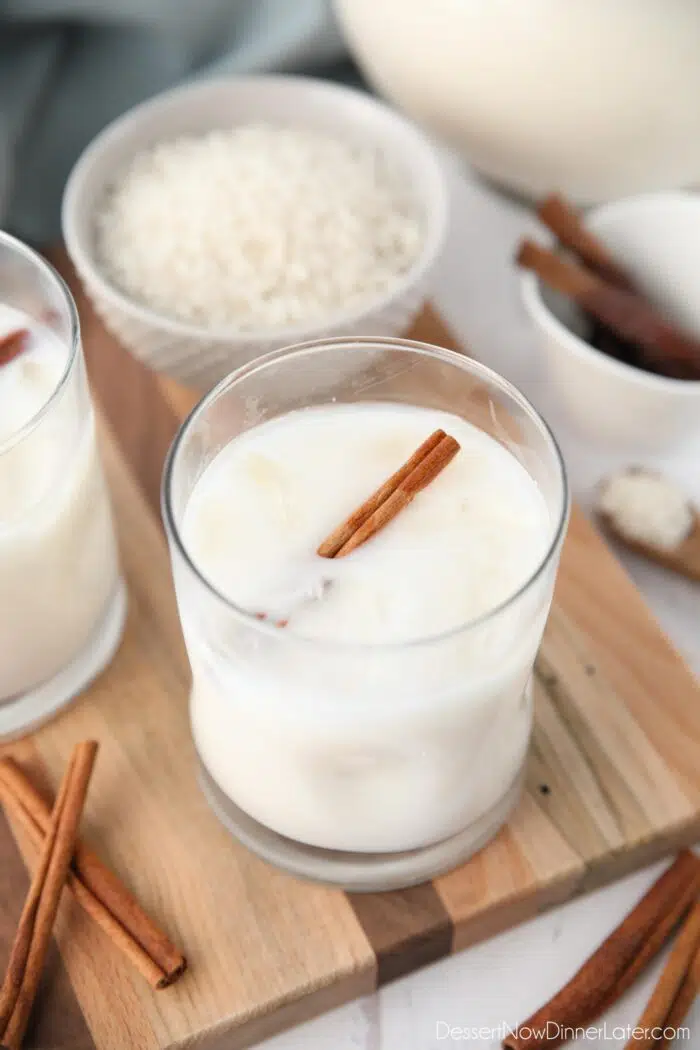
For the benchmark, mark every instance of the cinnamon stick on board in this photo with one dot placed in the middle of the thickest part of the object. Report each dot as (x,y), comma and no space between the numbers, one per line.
(674,974)
(60,840)
(91,904)
(97,889)
(429,460)
(567,225)
(617,962)
(14,974)
(663,346)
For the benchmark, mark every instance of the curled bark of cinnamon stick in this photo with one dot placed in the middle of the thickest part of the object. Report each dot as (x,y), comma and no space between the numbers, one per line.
(681,1004)
(668,986)
(90,904)
(61,839)
(17,962)
(617,962)
(97,889)
(12,345)
(567,225)
(662,346)
(658,936)
(429,460)
(339,537)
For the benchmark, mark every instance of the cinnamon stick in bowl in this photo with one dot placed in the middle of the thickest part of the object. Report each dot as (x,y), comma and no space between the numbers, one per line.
(663,347)
(566,224)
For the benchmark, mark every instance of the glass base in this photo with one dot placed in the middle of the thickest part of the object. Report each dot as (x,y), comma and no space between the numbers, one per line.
(29,710)
(358,872)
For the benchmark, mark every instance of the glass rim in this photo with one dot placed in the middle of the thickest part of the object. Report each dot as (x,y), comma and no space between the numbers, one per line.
(38,260)
(317,345)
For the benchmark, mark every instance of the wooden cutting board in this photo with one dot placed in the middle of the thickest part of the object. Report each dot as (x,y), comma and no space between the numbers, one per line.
(613,782)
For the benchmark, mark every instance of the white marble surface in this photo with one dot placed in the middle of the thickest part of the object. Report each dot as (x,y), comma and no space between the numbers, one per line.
(503,980)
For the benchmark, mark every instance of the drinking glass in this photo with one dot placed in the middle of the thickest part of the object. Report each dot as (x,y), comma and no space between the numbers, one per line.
(368,765)
(62,600)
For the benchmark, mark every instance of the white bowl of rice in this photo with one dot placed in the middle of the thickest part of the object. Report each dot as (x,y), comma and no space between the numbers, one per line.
(230,217)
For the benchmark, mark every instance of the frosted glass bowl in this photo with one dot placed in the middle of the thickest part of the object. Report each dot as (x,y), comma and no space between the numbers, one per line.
(200,356)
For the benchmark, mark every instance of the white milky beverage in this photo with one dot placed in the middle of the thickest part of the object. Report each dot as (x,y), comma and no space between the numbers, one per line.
(58,562)
(391,710)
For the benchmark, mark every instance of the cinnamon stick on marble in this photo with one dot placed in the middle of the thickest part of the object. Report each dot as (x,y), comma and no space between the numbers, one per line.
(567,225)
(662,345)
(97,889)
(673,976)
(33,937)
(680,1006)
(617,962)
(657,938)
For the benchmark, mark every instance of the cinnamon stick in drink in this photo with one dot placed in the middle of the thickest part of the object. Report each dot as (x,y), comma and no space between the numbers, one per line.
(340,536)
(12,345)
(663,346)
(429,460)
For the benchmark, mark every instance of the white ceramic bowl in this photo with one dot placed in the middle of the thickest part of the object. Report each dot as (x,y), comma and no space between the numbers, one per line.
(598,99)
(657,238)
(200,356)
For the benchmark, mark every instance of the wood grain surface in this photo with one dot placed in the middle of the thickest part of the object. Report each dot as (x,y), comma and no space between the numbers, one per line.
(613,781)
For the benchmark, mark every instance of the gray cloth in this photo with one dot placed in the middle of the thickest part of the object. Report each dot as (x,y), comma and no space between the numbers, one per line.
(68,67)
